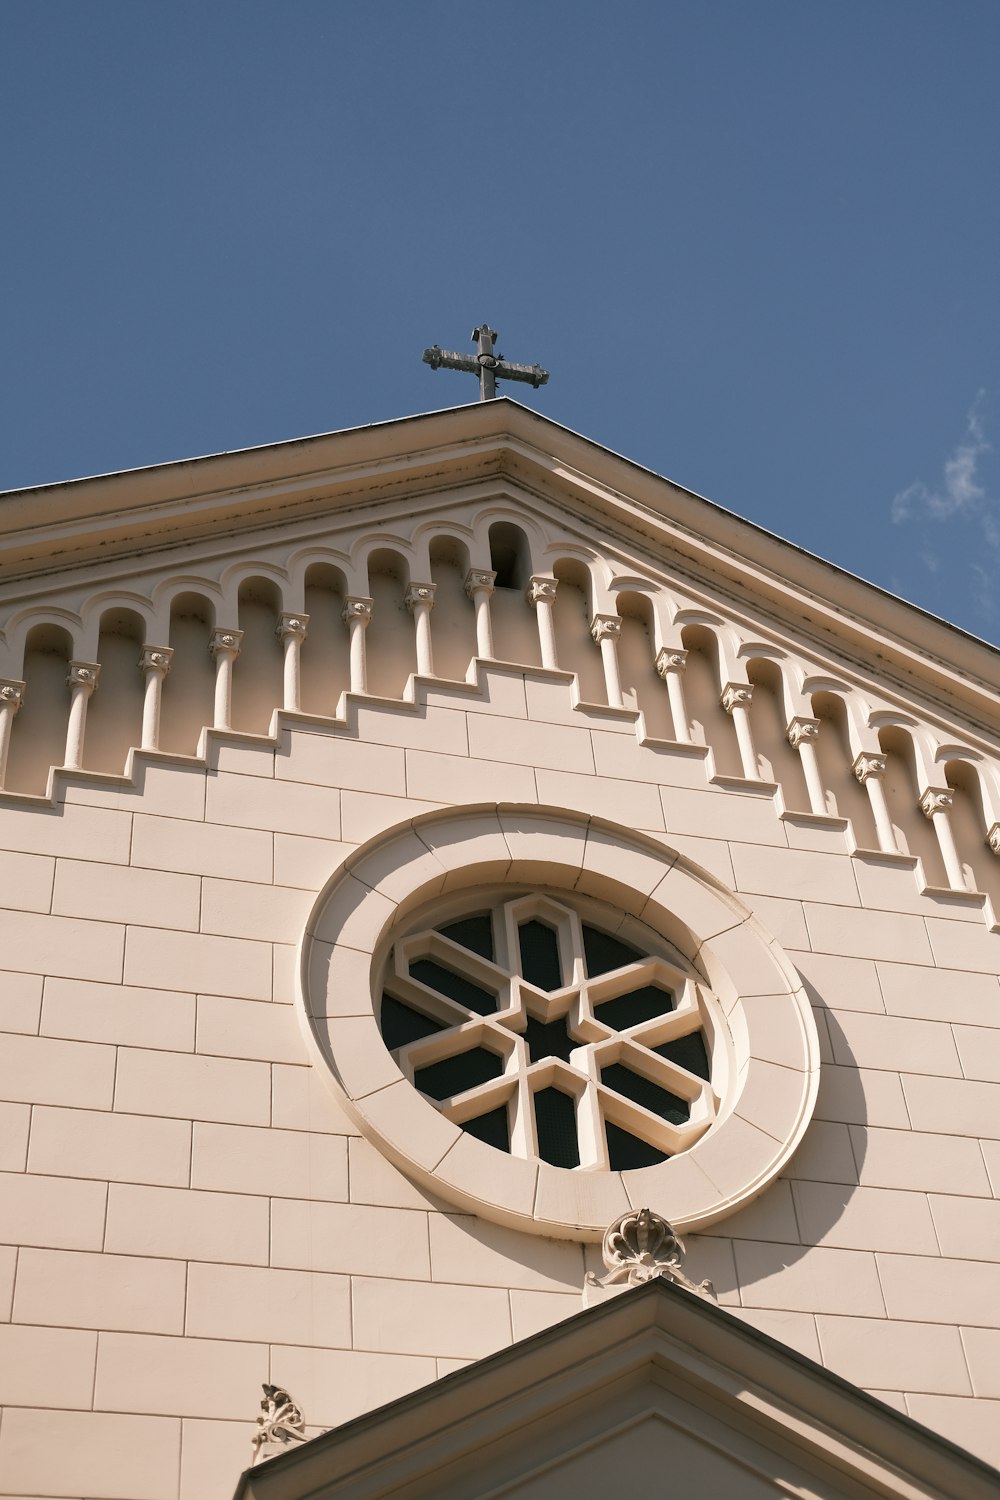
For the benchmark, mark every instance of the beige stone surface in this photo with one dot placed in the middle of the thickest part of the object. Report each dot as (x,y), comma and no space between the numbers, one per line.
(117,1013)
(212,1452)
(230,853)
(982,1352)
(118,1147)
(971,1424)
(141,1372)
(966,1107)
(334,1385)
(54,1211)
(72,832)
(231,1027)
(20,1002)
(458,1322)
(281,1163)
(918,1161)
(813,1280)
(191,1225)
(240,908)
(39,944)
(879,1354)
(465,1249)
(192,1088)
(196,961)
(89,1454)
(940,994)
(47,1366)
(74,1290)
(279,806)
(266,1305)
(141,896)
(967,1228)
(454,778)
(14,1122)
(868,934)
(349,1238)
(979,1052)
(920,1288)
(26,881)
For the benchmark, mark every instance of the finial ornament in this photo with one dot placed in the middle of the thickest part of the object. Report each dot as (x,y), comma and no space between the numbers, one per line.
(279,1426)
(642,1246)
(488,365)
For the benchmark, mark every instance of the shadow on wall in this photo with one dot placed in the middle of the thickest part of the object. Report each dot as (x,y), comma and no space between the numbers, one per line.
(803,1207)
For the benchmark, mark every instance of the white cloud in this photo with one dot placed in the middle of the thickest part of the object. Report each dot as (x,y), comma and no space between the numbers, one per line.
(961,492)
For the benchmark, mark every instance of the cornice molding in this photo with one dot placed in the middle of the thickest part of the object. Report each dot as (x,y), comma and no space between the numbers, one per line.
(169,504)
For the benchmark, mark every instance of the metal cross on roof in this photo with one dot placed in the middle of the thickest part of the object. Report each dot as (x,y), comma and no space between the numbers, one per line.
(488,366)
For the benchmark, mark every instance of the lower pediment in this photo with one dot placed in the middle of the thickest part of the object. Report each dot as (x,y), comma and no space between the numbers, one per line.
(655,1391)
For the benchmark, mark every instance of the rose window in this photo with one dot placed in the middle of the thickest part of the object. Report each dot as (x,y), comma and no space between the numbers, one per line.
(544,1035)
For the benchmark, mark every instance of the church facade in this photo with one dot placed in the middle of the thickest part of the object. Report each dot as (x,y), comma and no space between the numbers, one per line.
(429,845)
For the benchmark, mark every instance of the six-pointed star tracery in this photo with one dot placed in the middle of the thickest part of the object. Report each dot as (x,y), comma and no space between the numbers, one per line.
(543,1035)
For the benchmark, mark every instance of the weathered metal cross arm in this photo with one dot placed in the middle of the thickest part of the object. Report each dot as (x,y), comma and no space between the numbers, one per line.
(533,374)
(447,359)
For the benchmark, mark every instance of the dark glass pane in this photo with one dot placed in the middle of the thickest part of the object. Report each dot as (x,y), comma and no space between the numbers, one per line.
(540,955)
(453,1075)
(491,1128)
(474,933)
(455,986)
(605,953)
(687,1052)
(639,1005)
(641,1091)
(555,1121)
(548,1039)
(401,1023)
(626,1151)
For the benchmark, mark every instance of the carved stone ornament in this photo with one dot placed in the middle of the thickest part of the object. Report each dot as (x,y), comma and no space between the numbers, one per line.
(291,625)
(606,627)
(420,593)
(936,800)
(802,729)
(279,1426)
(867,765)
(641,1246)
(478,580)
(357,608)
(668,660)
(11,694)
(541,590)
(83,674)
(156,659)
(736,695)
(225,642)
(993,838)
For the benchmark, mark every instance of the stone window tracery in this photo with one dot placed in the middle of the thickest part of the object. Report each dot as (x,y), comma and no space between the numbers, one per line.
(542,1034)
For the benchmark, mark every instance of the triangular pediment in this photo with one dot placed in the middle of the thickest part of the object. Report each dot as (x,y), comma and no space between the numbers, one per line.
(655,1391)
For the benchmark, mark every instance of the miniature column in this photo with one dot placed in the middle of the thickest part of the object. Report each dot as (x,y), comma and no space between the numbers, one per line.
(81,681)
(479,587)
(934,804)
(869,770)
(291,632)
(736,698)
(802,736)
(420,601)
(670,666)
(541,592)
(606,630)
(356,614)
(154,663)
(225,647)
(11,698)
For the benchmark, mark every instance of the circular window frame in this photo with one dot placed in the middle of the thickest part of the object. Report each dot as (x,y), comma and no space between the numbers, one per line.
(774,1051)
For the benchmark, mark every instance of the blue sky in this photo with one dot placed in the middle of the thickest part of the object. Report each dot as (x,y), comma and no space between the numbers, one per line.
(755,243)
